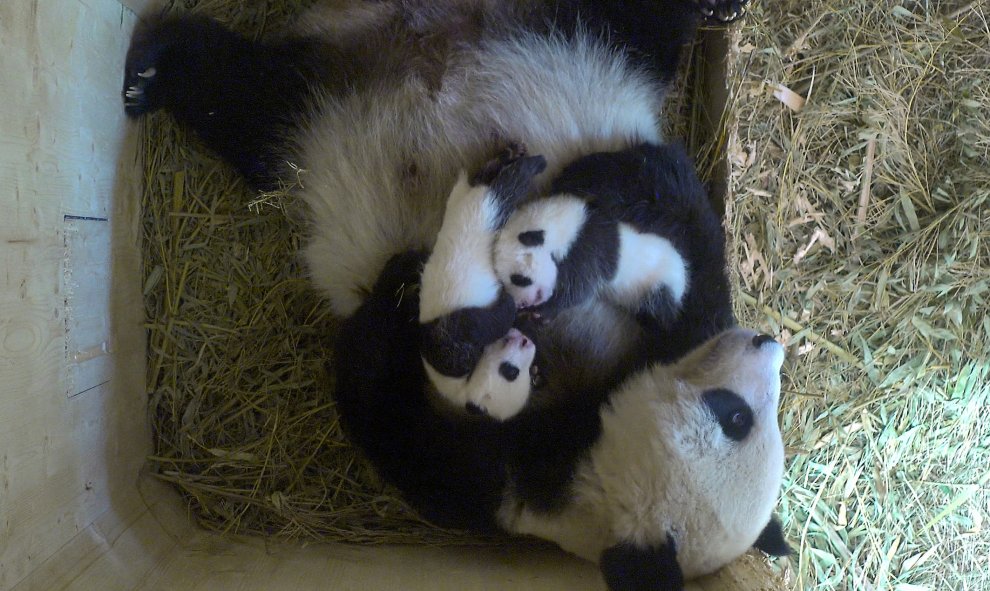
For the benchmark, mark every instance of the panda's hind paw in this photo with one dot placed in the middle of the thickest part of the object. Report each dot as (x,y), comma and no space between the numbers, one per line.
(722,11)
(135,98)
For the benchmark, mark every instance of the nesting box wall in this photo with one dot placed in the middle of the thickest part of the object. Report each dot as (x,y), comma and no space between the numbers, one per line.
(72,420)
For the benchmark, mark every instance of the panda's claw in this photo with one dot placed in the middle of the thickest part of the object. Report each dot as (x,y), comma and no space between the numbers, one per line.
(149,73)
(722,11)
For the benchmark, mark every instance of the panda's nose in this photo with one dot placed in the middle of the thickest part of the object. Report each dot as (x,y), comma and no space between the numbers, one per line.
(762,339)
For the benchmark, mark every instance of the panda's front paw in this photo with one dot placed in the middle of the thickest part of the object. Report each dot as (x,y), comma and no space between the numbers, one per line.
(723,11)
(150,46)
(510,153)
(137,91)
(510,178)
(171,61)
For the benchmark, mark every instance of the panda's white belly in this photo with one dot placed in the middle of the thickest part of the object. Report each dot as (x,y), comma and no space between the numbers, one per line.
(646,262)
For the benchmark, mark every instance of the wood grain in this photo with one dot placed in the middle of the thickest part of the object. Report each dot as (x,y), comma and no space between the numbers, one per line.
(65,150)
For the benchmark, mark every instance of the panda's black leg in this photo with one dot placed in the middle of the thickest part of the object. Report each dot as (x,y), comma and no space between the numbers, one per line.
(629,567)
(236,93)
(723,11)
(654,31)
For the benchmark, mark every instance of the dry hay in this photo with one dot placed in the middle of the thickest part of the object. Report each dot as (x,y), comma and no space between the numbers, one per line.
(860,228)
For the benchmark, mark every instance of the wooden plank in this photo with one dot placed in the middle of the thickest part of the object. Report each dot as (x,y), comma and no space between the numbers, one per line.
(141,7)
(118,549)
(65,150)
(86,290)
(211,563)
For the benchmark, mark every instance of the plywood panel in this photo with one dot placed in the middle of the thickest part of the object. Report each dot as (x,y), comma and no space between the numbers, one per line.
(86,291)
(65,150)
(213,564)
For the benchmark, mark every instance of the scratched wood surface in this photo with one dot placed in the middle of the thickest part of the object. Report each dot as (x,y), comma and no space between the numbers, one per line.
(66,453)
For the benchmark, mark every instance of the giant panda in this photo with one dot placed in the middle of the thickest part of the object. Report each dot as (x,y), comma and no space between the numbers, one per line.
(597,234)
(663,460)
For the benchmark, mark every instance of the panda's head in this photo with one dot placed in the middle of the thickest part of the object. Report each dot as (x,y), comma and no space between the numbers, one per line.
(532,243)
(693,455)
(524,266)
(500,384)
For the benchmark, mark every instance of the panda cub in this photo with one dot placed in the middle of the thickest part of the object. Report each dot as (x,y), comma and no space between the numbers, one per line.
(587,239)
(471,353)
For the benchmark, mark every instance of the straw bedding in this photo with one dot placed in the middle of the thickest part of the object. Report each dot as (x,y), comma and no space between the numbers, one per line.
(858,230)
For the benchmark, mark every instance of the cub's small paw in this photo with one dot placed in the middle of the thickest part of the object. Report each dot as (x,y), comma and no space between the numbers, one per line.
(723,11)
(513,151)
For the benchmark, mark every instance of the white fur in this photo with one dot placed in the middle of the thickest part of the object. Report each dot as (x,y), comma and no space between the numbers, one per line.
(662,465)
(459,272)
(560,217)
(489,390)
(561,98)
(646,263)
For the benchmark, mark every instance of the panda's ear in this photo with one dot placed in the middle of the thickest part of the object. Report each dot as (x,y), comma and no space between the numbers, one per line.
(629,567)
(772,541)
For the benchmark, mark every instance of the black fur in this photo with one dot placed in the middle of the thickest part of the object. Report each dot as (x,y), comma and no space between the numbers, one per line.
(590,263)
(654,33)
(532,238)
(520,280)
(508,371)
(513,183)
(628,567)
(656,189)
(452,470)
(453,343)
(239,95)
(772,540)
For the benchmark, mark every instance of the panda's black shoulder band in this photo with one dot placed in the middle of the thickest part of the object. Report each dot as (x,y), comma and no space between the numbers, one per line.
(633,567)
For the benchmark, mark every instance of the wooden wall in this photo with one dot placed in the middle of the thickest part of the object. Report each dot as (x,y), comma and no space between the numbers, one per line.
(72,421)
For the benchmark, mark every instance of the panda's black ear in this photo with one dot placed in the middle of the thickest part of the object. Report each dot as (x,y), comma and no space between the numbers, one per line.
(772,541)
(629,567)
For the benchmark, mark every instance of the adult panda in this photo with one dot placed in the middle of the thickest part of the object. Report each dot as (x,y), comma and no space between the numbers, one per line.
(658,472)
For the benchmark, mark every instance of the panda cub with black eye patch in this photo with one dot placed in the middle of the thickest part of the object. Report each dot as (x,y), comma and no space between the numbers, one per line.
(587,238)
(470,351)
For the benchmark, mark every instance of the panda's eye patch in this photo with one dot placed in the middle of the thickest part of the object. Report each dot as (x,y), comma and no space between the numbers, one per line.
(508,371)
(531,238)
(733,414)
(520,280)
